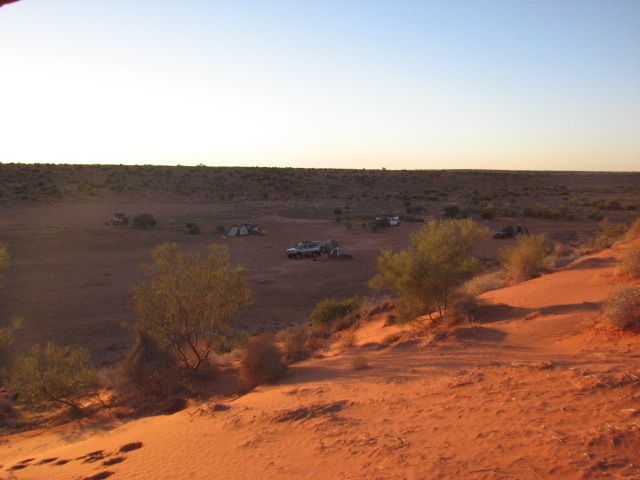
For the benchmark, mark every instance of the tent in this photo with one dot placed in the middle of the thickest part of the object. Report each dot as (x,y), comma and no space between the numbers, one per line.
(238,231)
(340,253)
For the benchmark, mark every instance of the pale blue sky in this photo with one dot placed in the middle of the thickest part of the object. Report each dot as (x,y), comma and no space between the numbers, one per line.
(400,84)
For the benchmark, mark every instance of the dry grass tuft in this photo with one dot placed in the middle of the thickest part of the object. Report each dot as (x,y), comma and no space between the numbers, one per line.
(623,309)
(262,362)
(630,263)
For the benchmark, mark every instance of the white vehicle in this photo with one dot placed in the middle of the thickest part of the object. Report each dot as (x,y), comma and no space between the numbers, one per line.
(305,248)
(394,221)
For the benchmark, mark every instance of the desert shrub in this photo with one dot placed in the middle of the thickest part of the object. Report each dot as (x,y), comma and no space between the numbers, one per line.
(439,260)
(331,309)
(631,234)
(146,369)
(484,283)
(144,221)
(337,211)
(622,310)
(488,212)
(8,334)
(193,228)
(464,308)
(451,211)
(608,233)
(561,250)
(262,362)
(298,343)
(527,259)
(630,262)
(53,374)
(220,229)
(190,301)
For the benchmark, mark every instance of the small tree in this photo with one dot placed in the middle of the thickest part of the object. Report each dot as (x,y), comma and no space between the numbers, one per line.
(439,260)
(190,301)
(52,374)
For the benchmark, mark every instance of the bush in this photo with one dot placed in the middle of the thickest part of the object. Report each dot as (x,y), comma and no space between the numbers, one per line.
(527,259)
(190,301)
(484,283)
(298,344)
(622,311)
(331,309)
(193,228)
(438,261)
(630,262)
(146,369)
(465,308)
(609,233)
(488,212)
(262,362)
(54,374)
(8,334)
(632,233)
(220,229)
(144,221)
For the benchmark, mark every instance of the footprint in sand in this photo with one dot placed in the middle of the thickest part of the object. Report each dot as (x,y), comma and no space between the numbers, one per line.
(47,460)
(130,446)
(62,461)
(92,457)
(99,475)
(114,460)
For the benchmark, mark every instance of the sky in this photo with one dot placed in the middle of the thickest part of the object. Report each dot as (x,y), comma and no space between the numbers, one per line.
(550,85)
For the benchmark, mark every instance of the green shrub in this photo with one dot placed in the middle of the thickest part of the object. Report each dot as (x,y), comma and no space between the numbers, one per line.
(262,362)
(193,228)
(608,233)
(464,308)
(622,310)
(53,374)
(630,262)
(8,334)
(484,283)
(331,309)
(220,229)
(488,212)
(527,259)
(144,221)
(439,260)
(190,301)
(631,234)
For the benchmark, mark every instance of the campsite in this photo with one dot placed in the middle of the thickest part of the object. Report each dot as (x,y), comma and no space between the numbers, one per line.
(336,240)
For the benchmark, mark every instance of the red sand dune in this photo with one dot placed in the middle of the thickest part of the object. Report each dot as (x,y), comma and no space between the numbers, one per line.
(533,391)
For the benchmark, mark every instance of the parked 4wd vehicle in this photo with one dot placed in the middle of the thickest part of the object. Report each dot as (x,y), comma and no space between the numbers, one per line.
(305,248)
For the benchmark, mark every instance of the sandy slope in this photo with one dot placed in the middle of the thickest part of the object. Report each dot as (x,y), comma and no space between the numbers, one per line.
(531,392)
